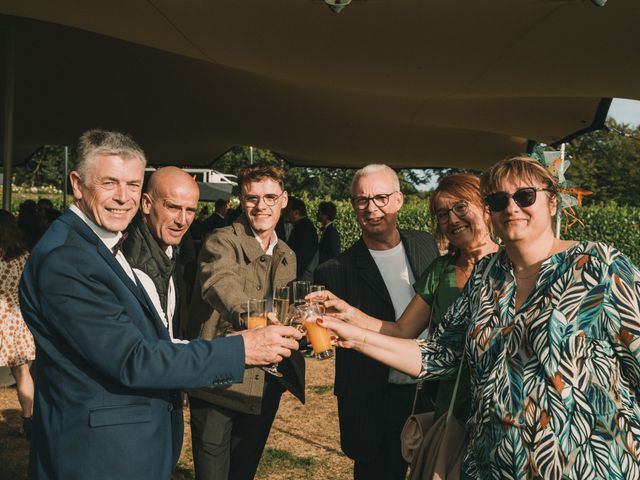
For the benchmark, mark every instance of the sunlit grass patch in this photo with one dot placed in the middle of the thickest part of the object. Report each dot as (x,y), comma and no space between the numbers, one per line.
(320,389)
(276,460)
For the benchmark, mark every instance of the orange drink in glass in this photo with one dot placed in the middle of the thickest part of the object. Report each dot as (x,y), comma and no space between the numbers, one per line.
(318,336)
(256,313)
(255,322)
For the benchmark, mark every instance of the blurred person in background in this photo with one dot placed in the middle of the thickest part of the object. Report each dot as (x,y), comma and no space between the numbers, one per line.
(47,212)
(218,218)
(329,245)
(303,239)
(31,223)
(17,347)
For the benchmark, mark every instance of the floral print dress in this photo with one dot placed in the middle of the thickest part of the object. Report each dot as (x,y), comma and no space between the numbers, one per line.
(16,342)
(555,384)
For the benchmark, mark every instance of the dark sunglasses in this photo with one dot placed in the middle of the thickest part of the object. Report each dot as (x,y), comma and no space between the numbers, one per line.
(524,197)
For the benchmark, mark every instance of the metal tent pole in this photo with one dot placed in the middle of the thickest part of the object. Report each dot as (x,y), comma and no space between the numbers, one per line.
(66,178)
(559,212)
(9,97)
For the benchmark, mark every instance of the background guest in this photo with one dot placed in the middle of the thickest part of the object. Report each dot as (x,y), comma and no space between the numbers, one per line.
(329,245)
(303,239)
(17,347)
(30,222)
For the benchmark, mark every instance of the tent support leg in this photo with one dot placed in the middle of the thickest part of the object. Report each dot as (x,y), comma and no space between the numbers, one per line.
(9,97)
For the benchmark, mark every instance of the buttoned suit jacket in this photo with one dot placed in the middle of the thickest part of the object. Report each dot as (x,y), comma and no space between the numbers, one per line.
(233,268)
(107,376)
(361,383)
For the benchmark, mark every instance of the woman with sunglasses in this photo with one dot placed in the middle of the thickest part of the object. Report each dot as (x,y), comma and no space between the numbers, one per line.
(551,332)
(462,227)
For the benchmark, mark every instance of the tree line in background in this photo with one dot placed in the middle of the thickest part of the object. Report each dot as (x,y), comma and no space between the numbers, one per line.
(46,167)
(606,162)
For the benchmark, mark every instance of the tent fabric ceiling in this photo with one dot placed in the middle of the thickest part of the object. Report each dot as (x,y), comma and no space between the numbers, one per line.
(412,83)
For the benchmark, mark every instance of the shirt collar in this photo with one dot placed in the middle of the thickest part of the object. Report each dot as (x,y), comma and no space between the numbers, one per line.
(107,237)
(272,242)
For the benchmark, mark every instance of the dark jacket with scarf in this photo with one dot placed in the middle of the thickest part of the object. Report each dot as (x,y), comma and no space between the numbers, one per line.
(142,251)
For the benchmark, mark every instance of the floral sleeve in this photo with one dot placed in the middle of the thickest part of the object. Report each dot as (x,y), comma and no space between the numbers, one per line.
(442,351)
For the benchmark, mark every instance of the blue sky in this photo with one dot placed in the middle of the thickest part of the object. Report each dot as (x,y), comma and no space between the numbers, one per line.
(625,111)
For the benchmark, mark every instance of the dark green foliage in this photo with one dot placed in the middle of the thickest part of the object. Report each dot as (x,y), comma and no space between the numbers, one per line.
(330,182)
(45,167)
(613,224)
(616,225)
(607,162)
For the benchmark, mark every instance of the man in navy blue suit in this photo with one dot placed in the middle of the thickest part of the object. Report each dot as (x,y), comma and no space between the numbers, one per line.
(107,374)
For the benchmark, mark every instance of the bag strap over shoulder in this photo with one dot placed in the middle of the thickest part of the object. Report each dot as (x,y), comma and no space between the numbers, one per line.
(485,274)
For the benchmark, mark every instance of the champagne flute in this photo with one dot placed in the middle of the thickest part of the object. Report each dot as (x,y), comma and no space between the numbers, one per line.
(281,303)
(300,290)
(318,288)
(281,310)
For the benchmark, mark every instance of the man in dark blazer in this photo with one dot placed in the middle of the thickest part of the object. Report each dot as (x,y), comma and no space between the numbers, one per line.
(303,239)
(376,275)
(107,403)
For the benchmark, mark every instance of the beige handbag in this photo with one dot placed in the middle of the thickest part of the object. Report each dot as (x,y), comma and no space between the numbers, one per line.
(435,446)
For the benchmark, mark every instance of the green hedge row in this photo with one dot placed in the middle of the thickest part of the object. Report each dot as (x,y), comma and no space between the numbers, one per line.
(616,225)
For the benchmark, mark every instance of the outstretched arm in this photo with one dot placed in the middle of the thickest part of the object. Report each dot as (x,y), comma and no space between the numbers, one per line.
(413,321)
(399,353)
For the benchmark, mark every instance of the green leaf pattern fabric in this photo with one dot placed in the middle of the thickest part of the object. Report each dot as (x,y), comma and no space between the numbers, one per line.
(555,384)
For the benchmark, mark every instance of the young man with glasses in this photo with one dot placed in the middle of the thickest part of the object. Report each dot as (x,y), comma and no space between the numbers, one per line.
(375,274)
(241,262)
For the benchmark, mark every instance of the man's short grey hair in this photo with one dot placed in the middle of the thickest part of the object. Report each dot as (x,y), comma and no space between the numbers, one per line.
(375,168)
(102,142)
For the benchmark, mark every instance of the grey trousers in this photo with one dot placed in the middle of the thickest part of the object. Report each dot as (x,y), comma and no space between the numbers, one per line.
(227,445)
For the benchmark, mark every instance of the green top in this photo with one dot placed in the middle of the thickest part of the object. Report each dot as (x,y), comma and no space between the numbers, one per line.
(437,287)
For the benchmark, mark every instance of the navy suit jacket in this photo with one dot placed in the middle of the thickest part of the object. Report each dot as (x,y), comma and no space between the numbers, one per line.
(107,376)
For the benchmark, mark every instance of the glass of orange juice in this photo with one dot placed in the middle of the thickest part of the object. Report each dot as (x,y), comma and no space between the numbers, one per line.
(256,313)
(318,336)
(257,317)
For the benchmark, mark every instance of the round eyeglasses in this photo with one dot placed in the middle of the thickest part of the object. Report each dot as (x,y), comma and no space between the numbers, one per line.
(524,197)
(460,209)
(270,199)
(380,200)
